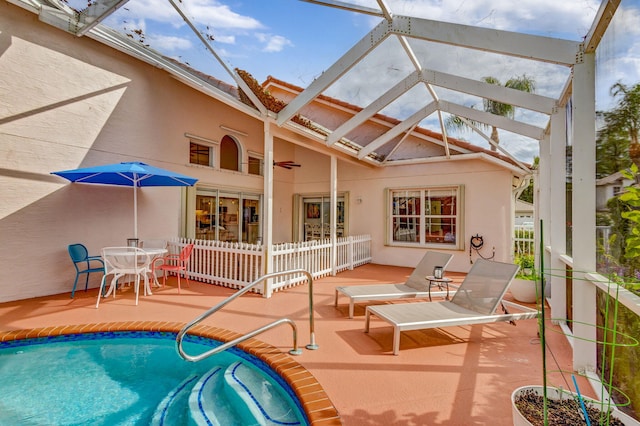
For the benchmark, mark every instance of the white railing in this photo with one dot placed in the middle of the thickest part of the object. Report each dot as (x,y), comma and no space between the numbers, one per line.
(236,265)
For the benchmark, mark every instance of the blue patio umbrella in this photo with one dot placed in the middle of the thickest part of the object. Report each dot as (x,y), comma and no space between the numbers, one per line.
(133,174)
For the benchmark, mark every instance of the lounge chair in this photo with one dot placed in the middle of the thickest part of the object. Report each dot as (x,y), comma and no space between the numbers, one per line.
(475,302)
(415,286)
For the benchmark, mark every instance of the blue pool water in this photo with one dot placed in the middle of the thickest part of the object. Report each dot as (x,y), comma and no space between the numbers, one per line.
(116,378)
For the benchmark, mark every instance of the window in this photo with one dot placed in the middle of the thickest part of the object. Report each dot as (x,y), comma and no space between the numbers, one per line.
(219,216)
(255,164)
(229,154)
(425,216)
(200,154)
(202,151)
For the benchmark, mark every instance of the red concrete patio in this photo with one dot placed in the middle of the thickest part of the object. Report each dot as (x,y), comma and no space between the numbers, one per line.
(452,376)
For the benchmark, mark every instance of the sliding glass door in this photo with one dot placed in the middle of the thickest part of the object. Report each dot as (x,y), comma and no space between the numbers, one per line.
(316,217)
(228,216)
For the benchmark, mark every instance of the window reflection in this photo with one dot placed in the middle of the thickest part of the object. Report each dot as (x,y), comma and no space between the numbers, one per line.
(220,217)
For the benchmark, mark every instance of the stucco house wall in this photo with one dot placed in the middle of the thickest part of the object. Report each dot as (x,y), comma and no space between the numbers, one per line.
(71,102)
(486,213)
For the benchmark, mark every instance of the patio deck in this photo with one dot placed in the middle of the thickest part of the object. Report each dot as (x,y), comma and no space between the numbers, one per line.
(452,376)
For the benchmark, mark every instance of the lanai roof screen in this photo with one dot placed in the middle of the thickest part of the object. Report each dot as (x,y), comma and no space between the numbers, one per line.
(422,62)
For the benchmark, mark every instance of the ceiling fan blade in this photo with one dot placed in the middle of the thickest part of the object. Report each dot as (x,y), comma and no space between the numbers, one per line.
(286,164)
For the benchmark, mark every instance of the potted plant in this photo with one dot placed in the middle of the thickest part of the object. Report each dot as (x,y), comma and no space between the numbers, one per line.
(526,287)
(563,408)
(551,406)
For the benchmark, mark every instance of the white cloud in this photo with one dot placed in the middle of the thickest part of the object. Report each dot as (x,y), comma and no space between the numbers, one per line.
(539,16)
(169,43)
(203,12)
(220,16)
(274,43)
(226,39)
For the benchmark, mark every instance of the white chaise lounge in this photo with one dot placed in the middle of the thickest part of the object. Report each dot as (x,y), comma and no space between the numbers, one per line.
(475,302)
(415,286)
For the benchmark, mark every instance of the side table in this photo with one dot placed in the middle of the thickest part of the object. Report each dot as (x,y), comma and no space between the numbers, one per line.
(439,282)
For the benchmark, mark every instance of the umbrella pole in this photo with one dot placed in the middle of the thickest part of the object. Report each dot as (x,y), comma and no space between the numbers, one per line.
(135,210)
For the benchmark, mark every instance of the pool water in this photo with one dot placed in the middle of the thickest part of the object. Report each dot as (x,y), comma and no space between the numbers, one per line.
(106,378)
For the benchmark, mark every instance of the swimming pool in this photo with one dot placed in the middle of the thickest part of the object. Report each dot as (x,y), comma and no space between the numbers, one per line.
(129,377)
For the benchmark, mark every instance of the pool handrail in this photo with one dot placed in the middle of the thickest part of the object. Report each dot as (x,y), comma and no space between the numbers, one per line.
(295,351)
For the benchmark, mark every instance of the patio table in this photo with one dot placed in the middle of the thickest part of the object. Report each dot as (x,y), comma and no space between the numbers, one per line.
(153,253)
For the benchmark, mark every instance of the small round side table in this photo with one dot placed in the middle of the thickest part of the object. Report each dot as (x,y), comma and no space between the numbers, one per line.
(439,282)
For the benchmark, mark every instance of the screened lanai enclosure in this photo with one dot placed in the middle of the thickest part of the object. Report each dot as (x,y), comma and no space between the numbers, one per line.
(557,81)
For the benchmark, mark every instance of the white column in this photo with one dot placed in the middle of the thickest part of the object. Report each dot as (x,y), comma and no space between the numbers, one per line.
(583,212)
(334,213)
(541,183)
(557,225)
(267,217)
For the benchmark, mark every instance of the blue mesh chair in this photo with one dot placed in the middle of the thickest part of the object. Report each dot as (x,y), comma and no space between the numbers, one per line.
(83,264)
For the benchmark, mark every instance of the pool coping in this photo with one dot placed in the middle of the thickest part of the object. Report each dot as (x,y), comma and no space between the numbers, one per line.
(315,402)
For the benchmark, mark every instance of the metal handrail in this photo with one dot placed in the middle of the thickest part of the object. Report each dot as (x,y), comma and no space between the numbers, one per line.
(295,351)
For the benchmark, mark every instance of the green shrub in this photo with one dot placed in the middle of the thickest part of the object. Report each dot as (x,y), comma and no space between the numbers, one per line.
(527,264)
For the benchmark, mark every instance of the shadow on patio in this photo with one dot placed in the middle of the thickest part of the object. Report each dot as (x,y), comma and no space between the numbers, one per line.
(451,376)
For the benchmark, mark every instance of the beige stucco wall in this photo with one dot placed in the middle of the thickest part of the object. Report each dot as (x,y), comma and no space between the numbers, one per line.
(487,202)
(71,102)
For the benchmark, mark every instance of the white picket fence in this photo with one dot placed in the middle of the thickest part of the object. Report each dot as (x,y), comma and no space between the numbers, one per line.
(523,240)
(236,265)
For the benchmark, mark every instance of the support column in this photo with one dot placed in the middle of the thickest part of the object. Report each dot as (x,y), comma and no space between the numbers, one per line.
(584,217)
(541,183)
(334,213)
(557,221)
(267,217)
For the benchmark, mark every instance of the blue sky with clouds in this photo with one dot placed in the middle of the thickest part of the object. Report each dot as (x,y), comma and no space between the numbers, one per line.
(296,41)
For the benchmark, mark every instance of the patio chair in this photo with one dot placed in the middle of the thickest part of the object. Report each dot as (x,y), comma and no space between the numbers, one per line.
(84,264)
(475,302)
(121,261)
(415,286)
(174,263)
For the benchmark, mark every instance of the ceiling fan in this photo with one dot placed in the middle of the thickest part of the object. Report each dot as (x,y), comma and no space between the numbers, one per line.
(286,164)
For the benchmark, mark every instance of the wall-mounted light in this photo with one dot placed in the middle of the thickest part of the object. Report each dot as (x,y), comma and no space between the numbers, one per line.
(359,199)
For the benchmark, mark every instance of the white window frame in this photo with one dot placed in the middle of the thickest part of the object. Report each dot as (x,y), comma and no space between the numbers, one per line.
(259,157)
(420,217)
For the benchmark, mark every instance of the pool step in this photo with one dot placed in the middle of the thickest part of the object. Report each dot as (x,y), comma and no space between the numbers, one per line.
(256,401)
(171,410)
(262,398)
(226,396)
(208,403)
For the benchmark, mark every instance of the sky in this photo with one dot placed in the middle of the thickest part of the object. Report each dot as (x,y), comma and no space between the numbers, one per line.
(297,41)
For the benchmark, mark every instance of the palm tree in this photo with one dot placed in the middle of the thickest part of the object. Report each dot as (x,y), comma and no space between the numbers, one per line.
(523,83)
(624,119)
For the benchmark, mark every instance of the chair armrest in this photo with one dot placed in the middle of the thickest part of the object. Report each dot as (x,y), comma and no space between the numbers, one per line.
(96,259)
(166,259)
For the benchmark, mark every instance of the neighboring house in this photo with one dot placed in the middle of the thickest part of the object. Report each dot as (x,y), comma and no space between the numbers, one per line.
(524,213)
(609,187)
(70,102)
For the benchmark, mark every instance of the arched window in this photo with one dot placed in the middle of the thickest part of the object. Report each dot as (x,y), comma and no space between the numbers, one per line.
(229,154)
